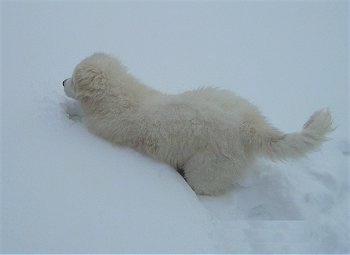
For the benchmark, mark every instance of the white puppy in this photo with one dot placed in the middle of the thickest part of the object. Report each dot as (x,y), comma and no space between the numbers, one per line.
(208,135)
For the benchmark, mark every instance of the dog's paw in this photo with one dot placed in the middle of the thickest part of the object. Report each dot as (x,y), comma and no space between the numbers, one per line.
(72,110)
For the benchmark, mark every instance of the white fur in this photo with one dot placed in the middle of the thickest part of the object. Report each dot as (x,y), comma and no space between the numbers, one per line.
(209,134)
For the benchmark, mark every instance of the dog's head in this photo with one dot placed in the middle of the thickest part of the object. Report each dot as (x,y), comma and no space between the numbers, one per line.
(91,77)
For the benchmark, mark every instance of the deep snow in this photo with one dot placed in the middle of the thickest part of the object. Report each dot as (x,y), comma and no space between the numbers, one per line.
(64,190)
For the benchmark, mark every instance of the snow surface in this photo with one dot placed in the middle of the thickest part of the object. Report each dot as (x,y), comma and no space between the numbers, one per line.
(67,191)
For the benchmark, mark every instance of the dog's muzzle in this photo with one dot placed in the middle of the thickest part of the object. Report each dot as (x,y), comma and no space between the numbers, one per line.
(63,83)
(69,87)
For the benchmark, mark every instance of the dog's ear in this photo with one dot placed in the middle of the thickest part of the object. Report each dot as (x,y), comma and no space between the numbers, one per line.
(89,81)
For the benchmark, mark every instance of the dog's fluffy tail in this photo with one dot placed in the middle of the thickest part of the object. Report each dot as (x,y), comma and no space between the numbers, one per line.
(279,146)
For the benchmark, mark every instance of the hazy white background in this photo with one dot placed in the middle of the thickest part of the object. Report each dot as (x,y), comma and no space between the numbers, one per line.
(65,191)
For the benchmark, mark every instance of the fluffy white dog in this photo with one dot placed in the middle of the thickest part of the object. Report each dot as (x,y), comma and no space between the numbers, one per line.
(208,135)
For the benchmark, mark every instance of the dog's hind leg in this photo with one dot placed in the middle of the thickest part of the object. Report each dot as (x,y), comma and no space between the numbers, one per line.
(210,174)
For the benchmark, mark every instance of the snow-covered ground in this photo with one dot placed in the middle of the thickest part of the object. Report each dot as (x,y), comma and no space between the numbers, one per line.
(67,191)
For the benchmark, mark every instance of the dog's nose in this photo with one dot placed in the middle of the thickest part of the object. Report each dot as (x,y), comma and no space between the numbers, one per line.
(64,82)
